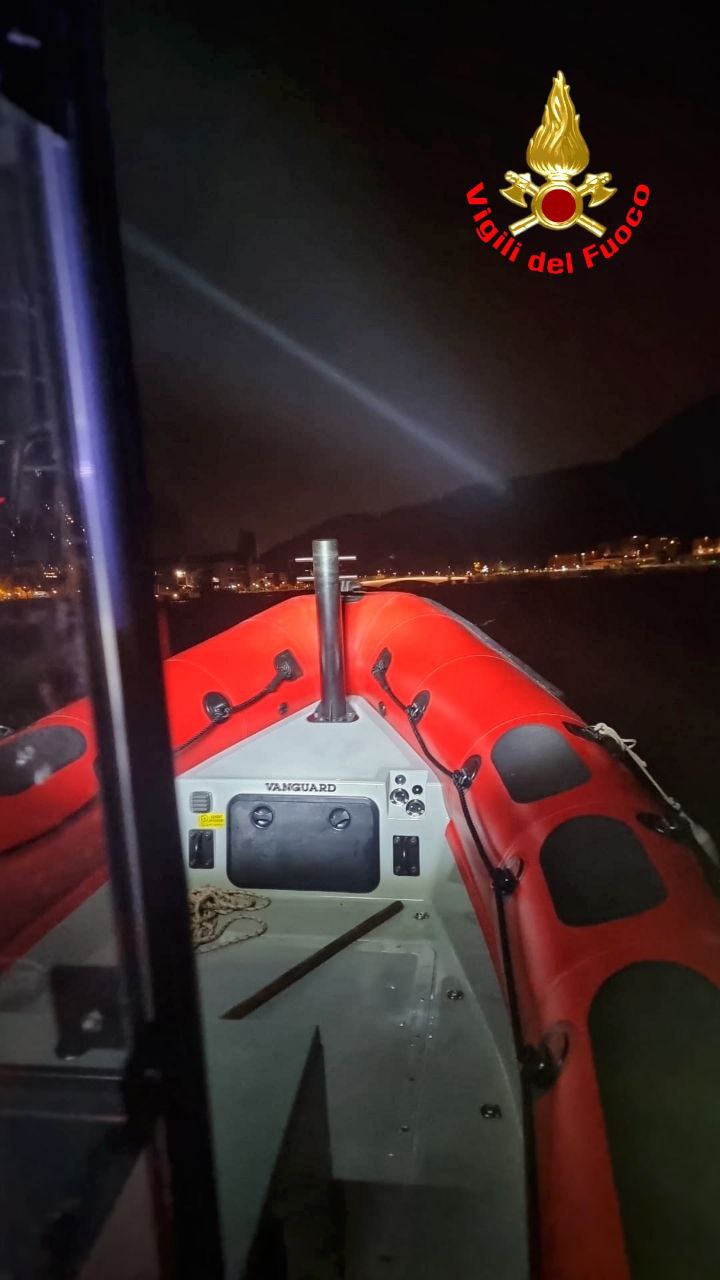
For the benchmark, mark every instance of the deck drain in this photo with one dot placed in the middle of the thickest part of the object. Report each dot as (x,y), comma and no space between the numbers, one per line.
(455,994)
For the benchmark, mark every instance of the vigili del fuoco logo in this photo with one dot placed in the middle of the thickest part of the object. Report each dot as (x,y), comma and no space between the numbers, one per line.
(557,152)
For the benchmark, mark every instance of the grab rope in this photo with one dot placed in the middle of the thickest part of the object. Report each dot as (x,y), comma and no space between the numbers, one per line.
(610,738)
(219,709)
(626,746)
(502,880)
(213,911)
(535,1066)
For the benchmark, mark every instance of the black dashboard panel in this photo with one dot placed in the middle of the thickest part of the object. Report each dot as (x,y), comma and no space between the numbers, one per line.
(325,844)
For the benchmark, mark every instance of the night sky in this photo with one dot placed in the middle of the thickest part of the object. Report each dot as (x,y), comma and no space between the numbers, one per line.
(312,165)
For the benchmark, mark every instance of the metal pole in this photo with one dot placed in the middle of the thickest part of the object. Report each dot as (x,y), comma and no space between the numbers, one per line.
(333,707)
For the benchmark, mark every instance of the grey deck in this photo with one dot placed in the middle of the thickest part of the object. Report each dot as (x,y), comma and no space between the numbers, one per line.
(429,1188)
(429,1185)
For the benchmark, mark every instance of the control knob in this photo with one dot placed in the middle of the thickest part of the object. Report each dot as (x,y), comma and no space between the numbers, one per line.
(339,819)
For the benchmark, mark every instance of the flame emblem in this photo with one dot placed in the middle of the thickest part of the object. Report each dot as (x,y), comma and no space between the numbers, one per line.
(557,149)
(558,152)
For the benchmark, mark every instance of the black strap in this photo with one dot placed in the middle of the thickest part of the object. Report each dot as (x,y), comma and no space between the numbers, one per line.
(503,884)
(219,709)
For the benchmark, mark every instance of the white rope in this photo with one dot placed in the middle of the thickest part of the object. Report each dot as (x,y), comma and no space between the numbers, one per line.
(213,911)
(627,747)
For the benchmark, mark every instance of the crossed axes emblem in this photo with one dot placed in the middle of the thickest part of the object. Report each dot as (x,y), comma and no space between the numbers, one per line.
(594,185)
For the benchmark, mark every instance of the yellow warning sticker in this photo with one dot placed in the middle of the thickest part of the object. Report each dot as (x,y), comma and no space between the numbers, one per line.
(211,819)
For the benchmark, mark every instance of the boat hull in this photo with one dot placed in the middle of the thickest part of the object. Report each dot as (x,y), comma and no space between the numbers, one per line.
(593,900)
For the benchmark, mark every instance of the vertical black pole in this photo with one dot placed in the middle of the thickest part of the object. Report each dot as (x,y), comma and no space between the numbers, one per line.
(127,687)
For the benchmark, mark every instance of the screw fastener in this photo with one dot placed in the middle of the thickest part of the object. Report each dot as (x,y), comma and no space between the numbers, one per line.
(491,1111)
(92,1023)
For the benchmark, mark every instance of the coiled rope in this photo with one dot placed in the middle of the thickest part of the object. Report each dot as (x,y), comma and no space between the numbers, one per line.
(213,911)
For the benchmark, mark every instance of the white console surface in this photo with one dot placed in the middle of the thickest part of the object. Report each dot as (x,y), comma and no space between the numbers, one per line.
(367,748)
(299,757)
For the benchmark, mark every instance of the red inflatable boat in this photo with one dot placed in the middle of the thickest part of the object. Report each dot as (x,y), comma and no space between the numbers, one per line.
(448,776)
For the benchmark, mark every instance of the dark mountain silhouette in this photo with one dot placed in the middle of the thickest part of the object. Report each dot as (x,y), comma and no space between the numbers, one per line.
(666,484)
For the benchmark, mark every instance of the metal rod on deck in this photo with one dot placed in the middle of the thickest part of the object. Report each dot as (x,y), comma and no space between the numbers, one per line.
(333,707)
(312,962)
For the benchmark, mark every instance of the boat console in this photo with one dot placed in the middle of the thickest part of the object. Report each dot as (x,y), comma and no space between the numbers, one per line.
(332,821)
(332,808)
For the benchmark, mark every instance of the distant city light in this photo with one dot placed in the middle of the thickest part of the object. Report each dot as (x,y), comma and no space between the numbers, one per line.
(617,556)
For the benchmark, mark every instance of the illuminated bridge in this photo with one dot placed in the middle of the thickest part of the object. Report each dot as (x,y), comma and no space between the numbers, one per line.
(379,581)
